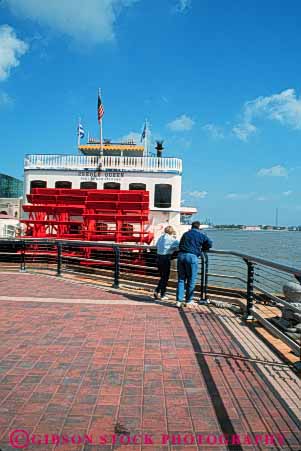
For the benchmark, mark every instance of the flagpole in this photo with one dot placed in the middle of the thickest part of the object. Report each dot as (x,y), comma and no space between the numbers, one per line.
(78,135)
(145,140)
(100,127)
(100,131)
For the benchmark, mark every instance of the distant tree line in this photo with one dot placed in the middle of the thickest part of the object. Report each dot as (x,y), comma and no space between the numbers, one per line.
(229,226)
(263,227)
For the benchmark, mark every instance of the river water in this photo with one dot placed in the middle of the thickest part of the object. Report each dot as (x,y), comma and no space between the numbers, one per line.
(278,246)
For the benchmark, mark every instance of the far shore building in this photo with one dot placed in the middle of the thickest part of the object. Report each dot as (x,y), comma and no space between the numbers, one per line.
(252,228)
(11,192)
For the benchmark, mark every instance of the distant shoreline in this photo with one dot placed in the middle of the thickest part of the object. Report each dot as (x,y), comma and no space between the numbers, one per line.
(243,230)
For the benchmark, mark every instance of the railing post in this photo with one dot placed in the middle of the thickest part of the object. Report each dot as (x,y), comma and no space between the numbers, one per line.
(298,278)
(117,267)
(202,276)
(250,291)
(206,261)
(22,262)
(59,259)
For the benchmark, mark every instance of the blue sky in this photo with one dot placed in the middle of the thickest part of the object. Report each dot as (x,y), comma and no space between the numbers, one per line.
(219,82)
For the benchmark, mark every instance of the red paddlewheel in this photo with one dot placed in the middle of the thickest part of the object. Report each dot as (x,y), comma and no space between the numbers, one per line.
(93,215)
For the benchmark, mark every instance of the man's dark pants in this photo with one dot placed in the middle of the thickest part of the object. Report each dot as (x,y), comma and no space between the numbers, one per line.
(187,276)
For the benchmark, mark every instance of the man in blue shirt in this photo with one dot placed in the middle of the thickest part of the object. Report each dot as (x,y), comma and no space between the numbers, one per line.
(191,245)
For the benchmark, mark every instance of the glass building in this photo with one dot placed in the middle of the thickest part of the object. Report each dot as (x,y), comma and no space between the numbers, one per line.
(10,186)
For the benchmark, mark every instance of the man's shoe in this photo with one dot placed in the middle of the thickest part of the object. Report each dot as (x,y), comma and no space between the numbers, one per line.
(204,302)
(180,304)
(164,297)
(157,295)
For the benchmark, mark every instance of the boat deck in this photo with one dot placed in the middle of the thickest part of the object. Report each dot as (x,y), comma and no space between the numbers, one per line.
(78,359)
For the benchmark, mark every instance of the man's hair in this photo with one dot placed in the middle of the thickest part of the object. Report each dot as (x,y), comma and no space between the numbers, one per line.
(195,225)
(170,230)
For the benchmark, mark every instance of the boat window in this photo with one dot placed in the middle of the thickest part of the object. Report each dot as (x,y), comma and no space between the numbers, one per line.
(186,219)
(37,184)
(112,153)
(111,185)
(162,196)
(137,186)
(132,153)
(88,185)
(63,184)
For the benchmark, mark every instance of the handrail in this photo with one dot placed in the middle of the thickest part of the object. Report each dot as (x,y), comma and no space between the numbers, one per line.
(288,269)
(252,258)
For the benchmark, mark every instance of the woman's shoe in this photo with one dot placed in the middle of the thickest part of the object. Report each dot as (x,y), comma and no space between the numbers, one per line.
(157,295)
(189,303)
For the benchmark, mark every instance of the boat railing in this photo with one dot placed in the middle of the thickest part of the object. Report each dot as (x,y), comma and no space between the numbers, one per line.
(102,163)
(254,283)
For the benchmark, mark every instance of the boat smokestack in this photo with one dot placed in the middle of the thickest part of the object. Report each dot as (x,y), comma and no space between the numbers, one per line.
(159,148)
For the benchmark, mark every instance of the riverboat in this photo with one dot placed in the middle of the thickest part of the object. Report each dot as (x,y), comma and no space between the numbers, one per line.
(108,191)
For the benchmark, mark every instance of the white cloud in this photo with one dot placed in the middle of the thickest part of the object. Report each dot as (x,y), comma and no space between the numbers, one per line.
(5,99)
(198,194)
(183,5)
(215,131)
(11,49)
(89,21)
(287,193)
(262,198)
(243,130)
(132,136)
(284,108)
(239,196)
(274,171)
(182,123)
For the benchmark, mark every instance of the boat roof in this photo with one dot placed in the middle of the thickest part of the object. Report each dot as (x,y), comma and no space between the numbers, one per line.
(92,146)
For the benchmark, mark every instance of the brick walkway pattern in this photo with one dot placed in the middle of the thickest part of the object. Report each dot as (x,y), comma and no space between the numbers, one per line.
(72,368)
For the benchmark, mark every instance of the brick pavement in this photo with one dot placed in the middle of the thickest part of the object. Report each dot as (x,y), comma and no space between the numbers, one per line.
(96,369)
(27,285)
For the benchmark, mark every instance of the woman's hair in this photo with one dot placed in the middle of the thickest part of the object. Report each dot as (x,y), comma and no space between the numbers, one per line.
(170,230)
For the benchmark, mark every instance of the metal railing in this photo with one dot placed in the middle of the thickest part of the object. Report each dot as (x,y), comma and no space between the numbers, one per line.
(239,277)
(84,162)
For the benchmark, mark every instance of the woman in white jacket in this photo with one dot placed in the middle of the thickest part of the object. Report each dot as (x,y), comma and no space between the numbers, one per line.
(166,245)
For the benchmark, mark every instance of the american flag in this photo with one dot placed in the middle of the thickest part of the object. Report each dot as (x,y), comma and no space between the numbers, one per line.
(100,109)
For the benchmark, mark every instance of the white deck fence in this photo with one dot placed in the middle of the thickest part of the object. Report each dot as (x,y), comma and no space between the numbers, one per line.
(82,162)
